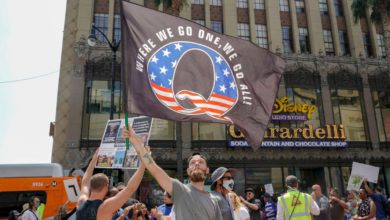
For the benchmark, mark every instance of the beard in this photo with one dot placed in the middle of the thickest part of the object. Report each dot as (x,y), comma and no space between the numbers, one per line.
(197,175)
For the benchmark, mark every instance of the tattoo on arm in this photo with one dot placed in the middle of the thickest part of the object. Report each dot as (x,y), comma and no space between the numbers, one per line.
(148,157)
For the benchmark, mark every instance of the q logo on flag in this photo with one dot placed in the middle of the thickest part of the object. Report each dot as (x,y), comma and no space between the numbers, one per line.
(162,68)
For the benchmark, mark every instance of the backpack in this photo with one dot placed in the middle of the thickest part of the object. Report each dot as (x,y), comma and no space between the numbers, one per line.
(386,205)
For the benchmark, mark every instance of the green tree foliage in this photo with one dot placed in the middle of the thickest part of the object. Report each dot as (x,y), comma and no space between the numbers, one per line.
(380,8)
(175,5)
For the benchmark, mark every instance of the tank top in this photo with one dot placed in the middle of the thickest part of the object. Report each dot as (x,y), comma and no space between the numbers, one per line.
(364,208)
(88,210)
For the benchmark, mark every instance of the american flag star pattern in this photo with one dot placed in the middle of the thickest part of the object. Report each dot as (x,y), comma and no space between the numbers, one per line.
(161,70)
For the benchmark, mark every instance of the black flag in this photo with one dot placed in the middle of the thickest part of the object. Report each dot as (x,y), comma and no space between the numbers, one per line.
(175,69)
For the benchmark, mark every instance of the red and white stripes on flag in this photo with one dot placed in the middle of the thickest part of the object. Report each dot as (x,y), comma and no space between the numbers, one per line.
(215,106)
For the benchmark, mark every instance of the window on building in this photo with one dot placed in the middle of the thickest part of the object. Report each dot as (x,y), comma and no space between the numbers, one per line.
(283,4)
(101,21)
(300,6)
(216,2)
(304,42)
(117,28)
(380,91)
(323,7)
(197,2)
(243,31)
(346,95)
(259,4)
(162,130)
(338,7)
(208,131)
(261,36)
(301,87)
(381,45)
(256,178)
(287,39)
(217,26)
(328,41)
(347,111)
(100,96)
(242,3)
(305,96)
(98,107)
(344,48)
(367,45)
(201,22)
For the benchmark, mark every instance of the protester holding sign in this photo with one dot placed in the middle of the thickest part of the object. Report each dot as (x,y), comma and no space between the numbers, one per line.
(377,198)
(94,189)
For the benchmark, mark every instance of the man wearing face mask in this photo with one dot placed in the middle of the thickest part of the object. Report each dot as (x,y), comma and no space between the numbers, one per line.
(221,184)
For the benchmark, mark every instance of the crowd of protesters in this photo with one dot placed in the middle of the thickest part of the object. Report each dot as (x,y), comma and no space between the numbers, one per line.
(192,202)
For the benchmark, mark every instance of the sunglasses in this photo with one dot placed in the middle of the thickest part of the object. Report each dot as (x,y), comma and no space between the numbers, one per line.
(228,178)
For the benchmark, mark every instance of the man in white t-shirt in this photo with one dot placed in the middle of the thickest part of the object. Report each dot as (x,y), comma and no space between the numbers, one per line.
(31,212)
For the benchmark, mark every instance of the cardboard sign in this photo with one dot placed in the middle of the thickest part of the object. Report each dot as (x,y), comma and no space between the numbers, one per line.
(354,182)
(113,152)
(371,173)
(72,189)
(269,188)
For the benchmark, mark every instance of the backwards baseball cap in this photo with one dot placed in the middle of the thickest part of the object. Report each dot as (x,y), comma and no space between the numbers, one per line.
(217,174)
(249,190)
(291,180)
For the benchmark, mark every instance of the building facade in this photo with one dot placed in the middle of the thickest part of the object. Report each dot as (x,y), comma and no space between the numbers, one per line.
(333,105)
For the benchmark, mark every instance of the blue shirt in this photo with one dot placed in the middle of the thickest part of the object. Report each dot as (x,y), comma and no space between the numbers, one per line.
(118,214)
(270,210)
(377,198)
(165,209)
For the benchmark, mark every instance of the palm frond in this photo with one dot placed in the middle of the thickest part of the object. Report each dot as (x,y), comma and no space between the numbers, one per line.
(376,16)
(388,7)
(157,2)
(379,8)
(359,8)
(167,3)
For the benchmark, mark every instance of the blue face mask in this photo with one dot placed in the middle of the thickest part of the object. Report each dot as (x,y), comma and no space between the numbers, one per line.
(228,184)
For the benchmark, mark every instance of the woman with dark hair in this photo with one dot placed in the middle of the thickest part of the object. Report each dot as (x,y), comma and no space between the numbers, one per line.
(366,209)
(31,213)
(13,215)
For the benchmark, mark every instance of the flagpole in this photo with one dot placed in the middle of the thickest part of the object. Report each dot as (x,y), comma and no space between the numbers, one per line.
(127,127)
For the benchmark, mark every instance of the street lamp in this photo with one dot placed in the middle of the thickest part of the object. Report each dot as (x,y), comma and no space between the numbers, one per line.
(92,39)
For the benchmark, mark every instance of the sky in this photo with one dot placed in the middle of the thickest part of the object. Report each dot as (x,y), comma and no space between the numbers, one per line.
(31,34)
